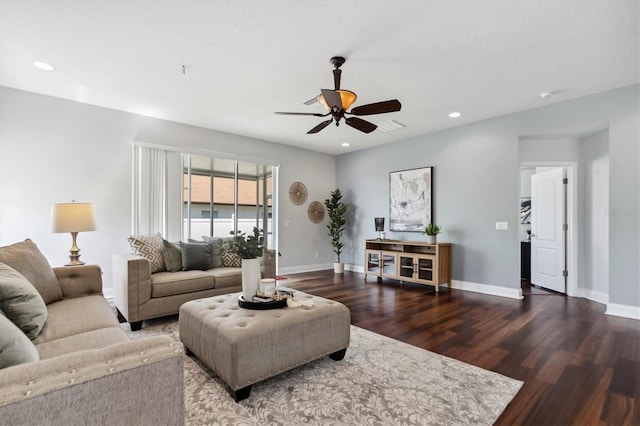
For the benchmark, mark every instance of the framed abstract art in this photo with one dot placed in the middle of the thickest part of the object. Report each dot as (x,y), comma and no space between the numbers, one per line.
(410,199)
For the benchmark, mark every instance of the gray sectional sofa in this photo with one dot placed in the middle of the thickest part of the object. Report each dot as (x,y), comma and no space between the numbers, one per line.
(141,295)
(86,369)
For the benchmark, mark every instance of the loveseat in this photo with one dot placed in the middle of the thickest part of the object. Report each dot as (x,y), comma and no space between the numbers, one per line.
(85,369)
(141,295)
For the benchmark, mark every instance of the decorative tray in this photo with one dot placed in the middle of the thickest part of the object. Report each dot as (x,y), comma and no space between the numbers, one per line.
(280,303)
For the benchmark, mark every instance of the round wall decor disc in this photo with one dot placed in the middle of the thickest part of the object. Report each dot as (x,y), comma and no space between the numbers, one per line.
(315,212)
(298,193)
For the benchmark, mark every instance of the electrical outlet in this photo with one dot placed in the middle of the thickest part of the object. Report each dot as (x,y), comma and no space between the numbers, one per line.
(502,226)
(287,223)
(317,254)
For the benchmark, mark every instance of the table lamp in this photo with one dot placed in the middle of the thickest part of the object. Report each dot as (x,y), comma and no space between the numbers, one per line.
(73,217)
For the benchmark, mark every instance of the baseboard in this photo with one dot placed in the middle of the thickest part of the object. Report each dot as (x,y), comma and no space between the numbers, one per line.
(493,290)
(624,311)
(305,268)
(595,296)
(354,268)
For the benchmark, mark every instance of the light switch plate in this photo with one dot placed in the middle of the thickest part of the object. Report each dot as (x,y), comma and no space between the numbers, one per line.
(502,226)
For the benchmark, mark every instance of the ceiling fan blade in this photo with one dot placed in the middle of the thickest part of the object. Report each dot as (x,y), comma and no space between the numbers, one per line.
(377,108)
(320,126)
(314,114)
(332,98)
(360,124)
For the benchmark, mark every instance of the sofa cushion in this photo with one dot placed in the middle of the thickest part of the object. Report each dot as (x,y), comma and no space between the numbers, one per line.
(196,256)
(94,339)
(172,283)
(149,246)
(26,258)
(172,254)
(216,249)
(15,346)
(227,277)
(21,302)
(74,316)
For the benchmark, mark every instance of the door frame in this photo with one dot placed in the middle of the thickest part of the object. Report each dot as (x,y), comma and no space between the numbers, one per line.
(571,248)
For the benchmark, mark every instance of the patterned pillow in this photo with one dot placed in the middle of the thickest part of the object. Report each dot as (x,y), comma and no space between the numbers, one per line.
(231,260)
(150,247)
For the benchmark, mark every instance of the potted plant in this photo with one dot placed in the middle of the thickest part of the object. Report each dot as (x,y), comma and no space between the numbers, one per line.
(249,248)
(431,230)
(336,210)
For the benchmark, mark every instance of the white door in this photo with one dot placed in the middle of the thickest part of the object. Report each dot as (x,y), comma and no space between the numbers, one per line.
(547,229)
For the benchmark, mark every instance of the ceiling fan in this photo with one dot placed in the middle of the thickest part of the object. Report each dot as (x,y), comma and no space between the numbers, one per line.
(337,102)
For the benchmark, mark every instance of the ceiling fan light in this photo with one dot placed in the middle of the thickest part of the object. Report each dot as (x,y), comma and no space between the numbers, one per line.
(346,96)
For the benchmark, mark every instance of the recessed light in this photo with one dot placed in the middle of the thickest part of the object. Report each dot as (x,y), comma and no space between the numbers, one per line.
(455,114)
(345,143)
(43,66)
(543,95)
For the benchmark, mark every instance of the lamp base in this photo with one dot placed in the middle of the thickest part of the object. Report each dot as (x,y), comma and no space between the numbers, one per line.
(74,259)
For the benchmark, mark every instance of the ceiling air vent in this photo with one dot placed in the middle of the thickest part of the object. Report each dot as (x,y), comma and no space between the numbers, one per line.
(390,126)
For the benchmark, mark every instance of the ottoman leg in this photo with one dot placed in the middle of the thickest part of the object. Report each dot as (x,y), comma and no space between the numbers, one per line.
(337,356)
(241,394)
(136,325)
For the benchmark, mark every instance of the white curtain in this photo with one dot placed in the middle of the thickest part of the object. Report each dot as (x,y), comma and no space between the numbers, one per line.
(150,191)
(157,192)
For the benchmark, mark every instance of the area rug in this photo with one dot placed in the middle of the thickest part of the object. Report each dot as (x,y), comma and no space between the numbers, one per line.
(381,381)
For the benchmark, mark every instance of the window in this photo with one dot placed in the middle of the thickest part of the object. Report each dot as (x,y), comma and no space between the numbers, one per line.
(239,192)
(186,195)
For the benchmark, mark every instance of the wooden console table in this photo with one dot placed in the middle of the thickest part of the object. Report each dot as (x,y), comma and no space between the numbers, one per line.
(411,261)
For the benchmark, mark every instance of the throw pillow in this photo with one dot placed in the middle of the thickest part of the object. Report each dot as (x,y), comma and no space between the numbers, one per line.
(196,256)
(149,247)
(216,246)
(26,258)
(172,255)
(231,260)
(15,346)
(21,302)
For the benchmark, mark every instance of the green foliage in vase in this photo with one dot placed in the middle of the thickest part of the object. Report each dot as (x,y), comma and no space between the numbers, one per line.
(431,229)
(247,247)
(336,210)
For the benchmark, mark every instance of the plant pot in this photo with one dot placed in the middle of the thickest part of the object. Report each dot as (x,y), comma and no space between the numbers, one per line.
(338,267)
(250,278)
(431,239)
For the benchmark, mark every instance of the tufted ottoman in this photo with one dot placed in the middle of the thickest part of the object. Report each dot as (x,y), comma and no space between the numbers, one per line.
(244,346)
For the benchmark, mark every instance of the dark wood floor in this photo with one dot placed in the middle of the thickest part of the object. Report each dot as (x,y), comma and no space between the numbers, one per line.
(579,366)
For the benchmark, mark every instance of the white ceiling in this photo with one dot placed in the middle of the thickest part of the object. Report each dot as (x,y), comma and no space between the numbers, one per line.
(246,59)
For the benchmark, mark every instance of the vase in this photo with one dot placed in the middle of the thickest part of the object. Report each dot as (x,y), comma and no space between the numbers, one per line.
(338,267)
(431,239)
(250,278)
(268,264)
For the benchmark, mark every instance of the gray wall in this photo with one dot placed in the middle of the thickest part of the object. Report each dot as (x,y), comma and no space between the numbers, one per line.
(596,209)
(476,183)
(54,150)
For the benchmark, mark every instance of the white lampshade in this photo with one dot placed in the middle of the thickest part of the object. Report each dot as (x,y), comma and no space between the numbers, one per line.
(73,217)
